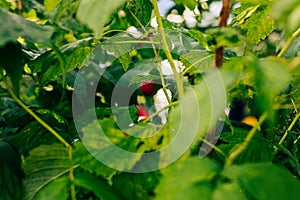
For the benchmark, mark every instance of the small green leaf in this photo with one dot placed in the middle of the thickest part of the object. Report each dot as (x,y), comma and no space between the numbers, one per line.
(22,28)
(88,12)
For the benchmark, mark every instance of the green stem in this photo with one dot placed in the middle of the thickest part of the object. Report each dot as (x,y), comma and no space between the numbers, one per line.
(37,118)
(288,43)
(289,129)
(167,51)
(157,112)
(213,146)
(247,140)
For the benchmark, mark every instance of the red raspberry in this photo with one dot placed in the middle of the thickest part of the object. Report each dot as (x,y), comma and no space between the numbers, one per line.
(142,113)
(147,88)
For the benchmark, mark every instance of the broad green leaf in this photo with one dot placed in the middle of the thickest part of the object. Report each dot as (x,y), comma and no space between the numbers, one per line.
(12,60)
(265,181)
(57,189)
(191,4)
(22,28)
(88,12)
(98,186)
(198,61)
(189,179)
(44,165)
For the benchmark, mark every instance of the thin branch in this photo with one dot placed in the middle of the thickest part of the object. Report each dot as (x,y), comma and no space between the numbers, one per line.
(159,111)
(37,118)
(219,52)
(288,43)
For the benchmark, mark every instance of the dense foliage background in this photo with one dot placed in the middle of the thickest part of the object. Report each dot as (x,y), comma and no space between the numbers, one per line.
(45,43)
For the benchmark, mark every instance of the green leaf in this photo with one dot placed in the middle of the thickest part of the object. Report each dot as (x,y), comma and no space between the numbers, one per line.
(264,181)
(89,163)
(74,54)
(100,147)
(12,60)
(57,189)
(98,186)
(258,150)
(44,165)
(189,179)
(259,25)
(191,4)
(88,12)
(200,61)
(22,28)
